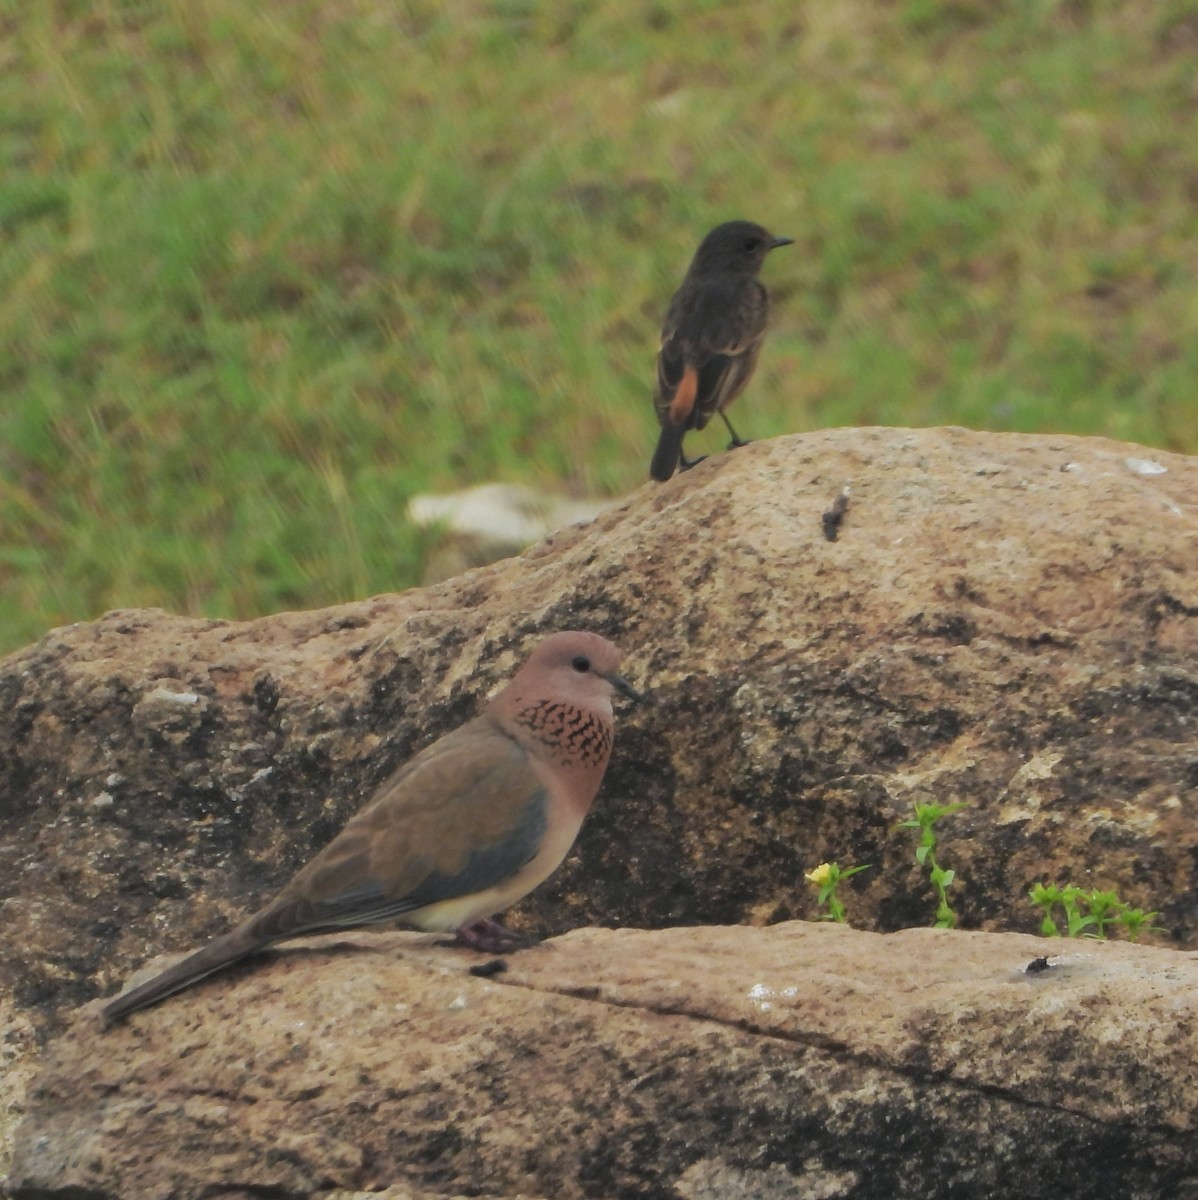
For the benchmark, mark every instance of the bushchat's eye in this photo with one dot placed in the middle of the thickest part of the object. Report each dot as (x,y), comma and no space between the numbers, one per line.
(581,664)
(752,244)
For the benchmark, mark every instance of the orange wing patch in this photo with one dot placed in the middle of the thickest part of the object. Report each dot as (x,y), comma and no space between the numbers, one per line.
(684,397)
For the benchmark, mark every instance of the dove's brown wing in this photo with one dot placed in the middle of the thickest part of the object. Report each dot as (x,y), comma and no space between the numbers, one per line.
(458,819)
(463,815)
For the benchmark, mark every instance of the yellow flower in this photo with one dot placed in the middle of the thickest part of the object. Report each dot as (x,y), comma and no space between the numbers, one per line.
(821,875)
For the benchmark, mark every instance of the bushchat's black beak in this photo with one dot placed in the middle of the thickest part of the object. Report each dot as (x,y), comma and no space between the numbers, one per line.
(781,242)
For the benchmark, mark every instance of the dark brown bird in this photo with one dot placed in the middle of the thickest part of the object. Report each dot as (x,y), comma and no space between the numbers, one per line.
(711,337)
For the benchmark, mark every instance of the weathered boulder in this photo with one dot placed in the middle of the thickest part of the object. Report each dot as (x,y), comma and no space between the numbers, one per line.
(725,1063)
(1005,620)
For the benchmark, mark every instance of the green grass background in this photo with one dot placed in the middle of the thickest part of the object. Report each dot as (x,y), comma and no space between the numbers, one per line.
(267,270)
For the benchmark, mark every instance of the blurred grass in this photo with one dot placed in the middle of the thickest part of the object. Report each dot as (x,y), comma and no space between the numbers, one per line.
(266,271)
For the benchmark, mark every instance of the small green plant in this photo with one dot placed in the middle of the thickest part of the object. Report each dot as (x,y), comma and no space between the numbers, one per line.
(1105,908)
(924,819)
(1089,913)
(827,877)
(1134,920)
(1048,896)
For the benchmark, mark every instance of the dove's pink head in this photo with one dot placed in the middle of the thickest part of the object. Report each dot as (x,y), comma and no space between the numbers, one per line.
(561,697)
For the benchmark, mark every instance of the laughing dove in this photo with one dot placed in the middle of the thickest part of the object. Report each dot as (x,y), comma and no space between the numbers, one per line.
(466,828)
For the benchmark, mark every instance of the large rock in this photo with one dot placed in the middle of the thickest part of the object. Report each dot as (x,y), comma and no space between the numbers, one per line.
(1004,620)
(719,1064)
